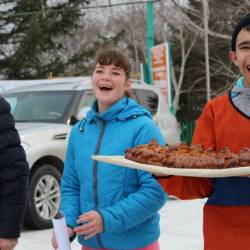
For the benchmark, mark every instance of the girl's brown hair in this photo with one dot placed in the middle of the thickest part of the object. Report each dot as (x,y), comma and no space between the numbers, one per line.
(114,56)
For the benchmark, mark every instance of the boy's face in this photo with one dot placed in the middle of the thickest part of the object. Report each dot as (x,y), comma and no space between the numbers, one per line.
(241,57)
(109,84)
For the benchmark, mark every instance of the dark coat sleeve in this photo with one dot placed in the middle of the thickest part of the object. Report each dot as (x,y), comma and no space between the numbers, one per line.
(14,172)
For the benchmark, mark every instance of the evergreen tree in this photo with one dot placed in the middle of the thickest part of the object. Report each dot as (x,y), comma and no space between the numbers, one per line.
(31,35)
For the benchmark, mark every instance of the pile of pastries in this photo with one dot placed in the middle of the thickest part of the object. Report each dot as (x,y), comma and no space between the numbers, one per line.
(187,156)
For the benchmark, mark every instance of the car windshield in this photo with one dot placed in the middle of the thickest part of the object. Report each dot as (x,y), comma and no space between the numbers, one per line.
(44,106)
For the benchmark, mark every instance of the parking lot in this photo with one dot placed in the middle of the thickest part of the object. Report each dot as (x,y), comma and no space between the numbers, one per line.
(181,225)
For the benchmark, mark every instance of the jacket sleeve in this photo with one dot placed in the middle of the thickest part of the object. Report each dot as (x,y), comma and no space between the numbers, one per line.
(146,201)
(14,172)
(70,187)
(194,187)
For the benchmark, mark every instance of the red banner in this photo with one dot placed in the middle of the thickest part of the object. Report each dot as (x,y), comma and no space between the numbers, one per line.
(160,69)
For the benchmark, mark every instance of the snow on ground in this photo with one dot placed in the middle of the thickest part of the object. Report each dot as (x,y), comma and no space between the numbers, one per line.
(181,229)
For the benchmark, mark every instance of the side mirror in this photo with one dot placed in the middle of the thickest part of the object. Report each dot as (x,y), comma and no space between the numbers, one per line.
(72,120)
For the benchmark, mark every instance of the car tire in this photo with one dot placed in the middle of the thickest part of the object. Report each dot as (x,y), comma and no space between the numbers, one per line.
(43,198)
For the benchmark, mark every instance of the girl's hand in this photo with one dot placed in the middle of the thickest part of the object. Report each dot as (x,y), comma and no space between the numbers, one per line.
(92,224)
(7,244)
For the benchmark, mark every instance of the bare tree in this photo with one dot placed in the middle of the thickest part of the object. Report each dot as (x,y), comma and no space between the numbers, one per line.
(132,22)
(190,14)
(175,30)
(185,52)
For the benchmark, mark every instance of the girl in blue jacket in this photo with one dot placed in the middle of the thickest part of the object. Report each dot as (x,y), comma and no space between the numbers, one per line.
(107,206)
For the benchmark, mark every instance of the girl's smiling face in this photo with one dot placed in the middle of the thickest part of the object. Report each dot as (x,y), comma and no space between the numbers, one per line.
(109,84)
(241,56)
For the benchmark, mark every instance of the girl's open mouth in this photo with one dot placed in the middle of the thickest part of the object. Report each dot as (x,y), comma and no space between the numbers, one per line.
(105,88)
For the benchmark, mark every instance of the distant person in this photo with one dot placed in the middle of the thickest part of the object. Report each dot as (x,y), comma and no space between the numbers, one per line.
(107,206)
(224,122)
(14,173)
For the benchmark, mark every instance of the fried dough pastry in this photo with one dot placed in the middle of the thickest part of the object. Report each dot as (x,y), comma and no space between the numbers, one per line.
(185,156)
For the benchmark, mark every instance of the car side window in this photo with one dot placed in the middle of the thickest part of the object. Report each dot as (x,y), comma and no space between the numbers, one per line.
(86,100)
(39,106)
(146,98)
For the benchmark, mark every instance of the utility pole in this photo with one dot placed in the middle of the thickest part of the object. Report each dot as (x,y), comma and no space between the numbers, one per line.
(205,14)
(150,39)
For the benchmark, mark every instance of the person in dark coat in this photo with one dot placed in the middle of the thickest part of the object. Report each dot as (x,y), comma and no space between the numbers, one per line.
(14,173)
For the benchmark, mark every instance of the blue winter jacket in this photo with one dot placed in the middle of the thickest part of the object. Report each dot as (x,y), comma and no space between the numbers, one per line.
(127,199)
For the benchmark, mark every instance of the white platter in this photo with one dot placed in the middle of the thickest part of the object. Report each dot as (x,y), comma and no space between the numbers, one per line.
(121,161)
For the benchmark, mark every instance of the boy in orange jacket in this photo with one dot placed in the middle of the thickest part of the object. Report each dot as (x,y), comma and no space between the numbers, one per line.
(224,122)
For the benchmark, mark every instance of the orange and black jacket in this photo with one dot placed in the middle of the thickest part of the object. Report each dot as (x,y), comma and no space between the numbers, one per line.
(227,211)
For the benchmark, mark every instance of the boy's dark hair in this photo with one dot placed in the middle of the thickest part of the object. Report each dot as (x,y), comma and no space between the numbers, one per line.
(244,23)
(114,56)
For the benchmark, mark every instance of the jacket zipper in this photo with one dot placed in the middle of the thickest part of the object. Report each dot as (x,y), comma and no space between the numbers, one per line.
(95,170)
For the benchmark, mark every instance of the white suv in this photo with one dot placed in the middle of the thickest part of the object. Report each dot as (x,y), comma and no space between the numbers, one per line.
(44,114)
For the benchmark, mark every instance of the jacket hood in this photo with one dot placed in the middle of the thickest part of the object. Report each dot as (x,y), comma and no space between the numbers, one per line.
(122,110)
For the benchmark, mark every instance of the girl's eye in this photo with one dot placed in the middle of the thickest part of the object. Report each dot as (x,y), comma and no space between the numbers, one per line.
(99,71)
(245,47)
(116,73)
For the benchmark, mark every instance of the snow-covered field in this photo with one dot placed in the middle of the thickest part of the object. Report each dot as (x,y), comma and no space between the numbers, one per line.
(181,226)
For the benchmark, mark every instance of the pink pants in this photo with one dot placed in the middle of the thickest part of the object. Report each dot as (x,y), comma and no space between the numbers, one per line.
(153,246)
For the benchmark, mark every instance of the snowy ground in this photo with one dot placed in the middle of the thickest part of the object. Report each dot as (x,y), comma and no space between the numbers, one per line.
(181,226)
